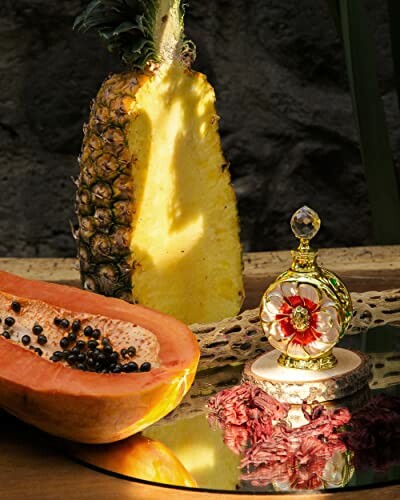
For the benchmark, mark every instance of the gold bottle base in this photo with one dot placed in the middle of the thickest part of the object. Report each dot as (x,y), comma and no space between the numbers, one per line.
(324,363)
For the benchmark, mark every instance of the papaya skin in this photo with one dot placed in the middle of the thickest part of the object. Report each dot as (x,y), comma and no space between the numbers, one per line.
(93,407)
(137,457)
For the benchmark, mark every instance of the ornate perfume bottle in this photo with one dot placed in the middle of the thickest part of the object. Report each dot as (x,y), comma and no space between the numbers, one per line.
(307,309)
(304,313)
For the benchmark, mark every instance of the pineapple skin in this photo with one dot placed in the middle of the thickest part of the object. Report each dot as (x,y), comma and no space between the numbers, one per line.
(104,200)
(117,256)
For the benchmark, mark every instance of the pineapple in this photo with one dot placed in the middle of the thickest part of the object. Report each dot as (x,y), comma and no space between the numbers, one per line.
(157,214)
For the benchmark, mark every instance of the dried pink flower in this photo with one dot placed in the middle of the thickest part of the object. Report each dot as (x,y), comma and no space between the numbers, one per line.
(248,407)
(274,452)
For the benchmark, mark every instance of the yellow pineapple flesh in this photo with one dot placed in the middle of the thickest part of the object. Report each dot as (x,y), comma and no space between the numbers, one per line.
(185,227)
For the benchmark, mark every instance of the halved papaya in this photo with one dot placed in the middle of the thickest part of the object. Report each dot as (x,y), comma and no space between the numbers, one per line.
(88,405)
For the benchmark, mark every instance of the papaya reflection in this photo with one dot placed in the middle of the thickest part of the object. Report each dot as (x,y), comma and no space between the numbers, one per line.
(137,457)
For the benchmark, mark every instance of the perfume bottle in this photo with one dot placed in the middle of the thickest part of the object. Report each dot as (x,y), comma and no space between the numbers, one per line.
(307,309)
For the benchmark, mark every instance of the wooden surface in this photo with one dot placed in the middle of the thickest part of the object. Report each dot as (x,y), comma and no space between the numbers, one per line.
(32,468)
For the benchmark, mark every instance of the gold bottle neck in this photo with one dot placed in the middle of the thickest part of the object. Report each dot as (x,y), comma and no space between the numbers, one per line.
(304,258)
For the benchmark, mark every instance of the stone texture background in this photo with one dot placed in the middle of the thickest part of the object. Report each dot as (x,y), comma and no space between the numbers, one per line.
(286,121)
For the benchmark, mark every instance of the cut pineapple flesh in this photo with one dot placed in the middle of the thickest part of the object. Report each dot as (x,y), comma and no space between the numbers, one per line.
(184,240)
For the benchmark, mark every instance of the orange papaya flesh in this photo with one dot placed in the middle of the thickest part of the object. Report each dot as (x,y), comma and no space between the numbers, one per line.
(86,406)
(137,457)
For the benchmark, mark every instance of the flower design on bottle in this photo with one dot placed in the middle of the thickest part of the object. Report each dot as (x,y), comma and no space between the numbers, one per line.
(301,321)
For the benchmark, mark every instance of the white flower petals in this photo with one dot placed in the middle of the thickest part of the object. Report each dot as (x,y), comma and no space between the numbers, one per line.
(316,347)
(281,344)
(289,288)
(334,316)
(275,291)
(266,316)
(296,351)
(308,292)
(276,330)
(273,305)
(331,336)
(324,321)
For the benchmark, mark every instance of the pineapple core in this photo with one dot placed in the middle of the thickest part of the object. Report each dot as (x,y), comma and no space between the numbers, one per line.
(184,241)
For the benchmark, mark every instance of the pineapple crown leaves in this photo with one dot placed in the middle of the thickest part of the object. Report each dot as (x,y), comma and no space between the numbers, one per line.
(129,27)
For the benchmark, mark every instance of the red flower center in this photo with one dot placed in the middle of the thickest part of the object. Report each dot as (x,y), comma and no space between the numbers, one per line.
(297,319)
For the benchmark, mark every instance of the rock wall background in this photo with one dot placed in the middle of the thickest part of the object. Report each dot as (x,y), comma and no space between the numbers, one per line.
(286,120)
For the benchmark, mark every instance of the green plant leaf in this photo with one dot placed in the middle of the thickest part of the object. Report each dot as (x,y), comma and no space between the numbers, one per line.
(124,27)
(360,56)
